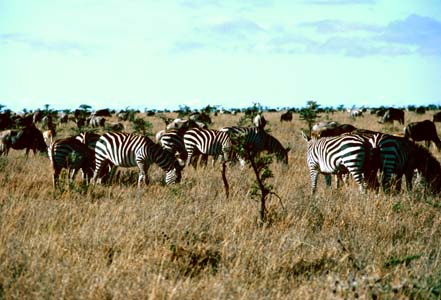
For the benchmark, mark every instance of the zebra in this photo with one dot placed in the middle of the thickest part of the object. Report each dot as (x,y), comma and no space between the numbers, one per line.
(398,156)
(341,154)
(73,155)
(207,142)
(257,140)
(173,141)
(130,150)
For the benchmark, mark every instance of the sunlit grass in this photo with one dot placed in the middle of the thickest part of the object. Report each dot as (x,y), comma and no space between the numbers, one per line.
(188,241)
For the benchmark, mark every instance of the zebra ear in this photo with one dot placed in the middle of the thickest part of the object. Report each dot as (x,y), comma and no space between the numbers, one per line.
(305,136)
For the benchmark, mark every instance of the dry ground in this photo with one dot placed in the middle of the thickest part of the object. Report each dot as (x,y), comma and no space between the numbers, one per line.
(188,242)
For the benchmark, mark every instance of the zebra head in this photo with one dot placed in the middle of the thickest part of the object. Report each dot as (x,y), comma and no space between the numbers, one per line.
(283,155)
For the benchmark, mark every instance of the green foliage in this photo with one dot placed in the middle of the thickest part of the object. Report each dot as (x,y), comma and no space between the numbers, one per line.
(208,109)
(85,107)
(309,114)
(142,126)
(184,110)
(260,189)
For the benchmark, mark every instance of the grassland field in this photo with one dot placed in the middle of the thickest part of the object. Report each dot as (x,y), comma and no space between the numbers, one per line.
(187,241)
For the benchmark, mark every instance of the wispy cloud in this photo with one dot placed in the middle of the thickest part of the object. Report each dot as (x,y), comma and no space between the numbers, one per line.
(41,43)
(413,35)
(338,2)
(187,46)
(338,26)
(236,27)
(421,32)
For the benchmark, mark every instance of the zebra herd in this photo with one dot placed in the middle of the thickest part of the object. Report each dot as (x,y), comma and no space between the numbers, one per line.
(364,153)
(361,153)
(97,155)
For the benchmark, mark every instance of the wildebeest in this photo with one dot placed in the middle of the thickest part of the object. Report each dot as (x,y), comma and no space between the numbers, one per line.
(27,138)
(115,126)
(420,110)
(423,131)
(287,117)
(339,129)
(63,118)
(5,120)
(183,125)
(437,117)
(330,128)
(393,114)
(102,113)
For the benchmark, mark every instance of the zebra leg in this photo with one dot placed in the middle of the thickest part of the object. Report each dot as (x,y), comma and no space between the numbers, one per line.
(100,171)
(72,173)
(328,180)
(409,179)
(357,174)
(55,177)
(314,176)
(143,169)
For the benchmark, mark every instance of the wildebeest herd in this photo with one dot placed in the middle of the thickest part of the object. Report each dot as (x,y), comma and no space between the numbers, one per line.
(373,159)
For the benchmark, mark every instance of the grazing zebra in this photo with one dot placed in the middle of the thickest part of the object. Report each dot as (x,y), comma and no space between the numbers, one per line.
(173,142)
(130,150)
(399,156)
(207,142)
(257,140)
(73,155)
(336,155)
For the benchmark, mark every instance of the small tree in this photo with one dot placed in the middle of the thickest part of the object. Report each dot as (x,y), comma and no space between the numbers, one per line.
(309,114)
(84,107)
(184,110)
(260,189)
(142,126)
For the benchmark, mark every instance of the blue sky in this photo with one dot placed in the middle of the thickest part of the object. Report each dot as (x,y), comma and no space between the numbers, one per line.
(162,54)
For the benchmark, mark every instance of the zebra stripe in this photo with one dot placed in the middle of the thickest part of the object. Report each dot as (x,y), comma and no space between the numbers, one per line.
(88,138)
(173,142)
(208,142)
(130,150)
(73,155)
(257,140)
(340,154)
(397,157)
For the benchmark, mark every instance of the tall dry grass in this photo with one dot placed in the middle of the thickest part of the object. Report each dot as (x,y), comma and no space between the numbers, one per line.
(188,242)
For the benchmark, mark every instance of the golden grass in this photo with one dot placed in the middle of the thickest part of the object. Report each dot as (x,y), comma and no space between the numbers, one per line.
(188,242)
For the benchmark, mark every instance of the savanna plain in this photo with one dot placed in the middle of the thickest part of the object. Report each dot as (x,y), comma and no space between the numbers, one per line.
(188,241)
